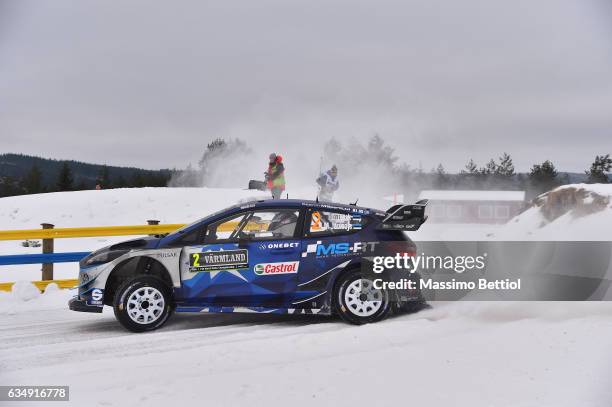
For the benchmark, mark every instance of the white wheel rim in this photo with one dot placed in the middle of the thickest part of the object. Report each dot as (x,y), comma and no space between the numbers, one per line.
(145,305)
(362,299)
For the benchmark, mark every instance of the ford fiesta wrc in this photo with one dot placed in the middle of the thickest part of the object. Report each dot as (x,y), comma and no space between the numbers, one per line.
(269,256)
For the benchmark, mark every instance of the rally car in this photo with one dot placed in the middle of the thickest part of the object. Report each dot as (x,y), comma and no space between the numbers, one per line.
(268,256)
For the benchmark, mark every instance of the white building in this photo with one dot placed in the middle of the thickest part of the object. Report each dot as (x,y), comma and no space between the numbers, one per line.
(473,206)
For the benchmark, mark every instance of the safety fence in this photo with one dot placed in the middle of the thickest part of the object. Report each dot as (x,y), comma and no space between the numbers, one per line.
(48,233)
(47,258)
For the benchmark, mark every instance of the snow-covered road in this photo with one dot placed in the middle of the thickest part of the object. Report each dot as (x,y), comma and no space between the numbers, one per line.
(476,354)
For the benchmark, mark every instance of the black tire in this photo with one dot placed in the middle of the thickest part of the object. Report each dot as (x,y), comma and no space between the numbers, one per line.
(155,303)
(355,312)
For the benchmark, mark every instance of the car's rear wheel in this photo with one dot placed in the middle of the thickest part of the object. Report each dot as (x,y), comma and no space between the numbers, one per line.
(143,303)
(357,301)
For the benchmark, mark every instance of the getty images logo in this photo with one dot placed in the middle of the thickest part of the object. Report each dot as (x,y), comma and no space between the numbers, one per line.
(339,249)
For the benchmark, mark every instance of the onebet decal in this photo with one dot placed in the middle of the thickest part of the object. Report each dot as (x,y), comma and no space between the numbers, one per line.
(268,269)
(283,245)
(339,249)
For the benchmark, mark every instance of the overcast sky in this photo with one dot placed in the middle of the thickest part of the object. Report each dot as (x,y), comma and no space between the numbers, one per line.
(149,83)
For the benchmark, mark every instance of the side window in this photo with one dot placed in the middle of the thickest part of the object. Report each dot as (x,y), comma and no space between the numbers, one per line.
(271,224)
(225,229)
(334,223)
(265,224)
(191,238)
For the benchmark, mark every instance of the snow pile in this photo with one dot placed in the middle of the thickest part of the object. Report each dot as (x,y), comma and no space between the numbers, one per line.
(25,297)
(25,291)
(571,212)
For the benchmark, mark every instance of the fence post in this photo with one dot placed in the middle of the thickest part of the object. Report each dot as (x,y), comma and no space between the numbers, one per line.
(47,247)
(152,222)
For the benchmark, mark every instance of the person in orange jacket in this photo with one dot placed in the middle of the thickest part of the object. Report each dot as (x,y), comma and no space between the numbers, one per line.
(275,176)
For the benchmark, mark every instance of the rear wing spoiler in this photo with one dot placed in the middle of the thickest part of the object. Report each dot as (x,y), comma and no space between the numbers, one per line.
(405,217)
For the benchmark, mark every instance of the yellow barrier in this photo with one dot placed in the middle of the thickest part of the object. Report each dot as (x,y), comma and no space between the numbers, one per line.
(42,285)
(88,232)
(65,233)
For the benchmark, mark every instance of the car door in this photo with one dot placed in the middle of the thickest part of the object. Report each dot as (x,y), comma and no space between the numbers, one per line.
(331,241)
(248,259)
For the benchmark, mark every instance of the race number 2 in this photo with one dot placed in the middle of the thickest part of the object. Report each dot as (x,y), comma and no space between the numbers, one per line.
(194,260)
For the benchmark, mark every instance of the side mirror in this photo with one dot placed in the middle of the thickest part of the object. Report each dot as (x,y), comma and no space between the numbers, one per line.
(243,242)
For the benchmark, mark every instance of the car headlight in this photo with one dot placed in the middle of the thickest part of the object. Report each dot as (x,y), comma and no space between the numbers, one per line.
(103,257)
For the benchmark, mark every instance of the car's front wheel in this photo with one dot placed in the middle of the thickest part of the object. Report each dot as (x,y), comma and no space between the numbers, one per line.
(143,303)
(358,302)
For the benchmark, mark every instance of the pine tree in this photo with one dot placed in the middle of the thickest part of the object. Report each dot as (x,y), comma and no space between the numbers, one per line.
(490,168)
(33,180)
(104,178)
(470,168)
(468,177)
(543,177)
(64,179)
(505,167)
(120,182)
(81,186)
(138,180)
(10,186)
(597,172)
(440,177)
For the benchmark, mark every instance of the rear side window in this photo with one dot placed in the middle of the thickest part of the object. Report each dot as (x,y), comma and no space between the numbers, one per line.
(272,224)
(321,223)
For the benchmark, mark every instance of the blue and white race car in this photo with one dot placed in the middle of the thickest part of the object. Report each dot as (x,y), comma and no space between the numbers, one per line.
(269,256)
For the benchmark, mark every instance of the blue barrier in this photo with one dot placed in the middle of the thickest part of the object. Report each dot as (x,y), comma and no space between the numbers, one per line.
(16,259)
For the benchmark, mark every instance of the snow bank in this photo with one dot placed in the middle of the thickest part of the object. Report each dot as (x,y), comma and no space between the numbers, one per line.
(25,297)
(570,212)
(124,206)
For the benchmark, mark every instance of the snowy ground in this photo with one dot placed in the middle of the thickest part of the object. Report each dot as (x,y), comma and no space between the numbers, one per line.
(455,354)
